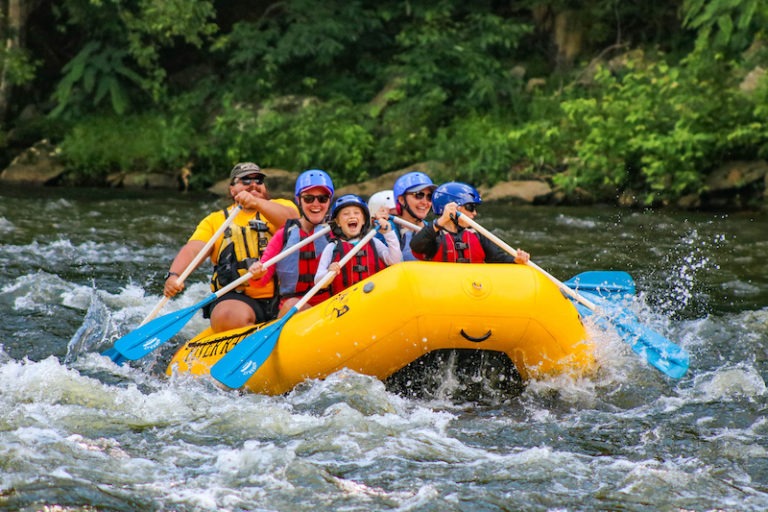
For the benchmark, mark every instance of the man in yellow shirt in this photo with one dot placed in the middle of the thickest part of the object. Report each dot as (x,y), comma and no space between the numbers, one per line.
(240,246)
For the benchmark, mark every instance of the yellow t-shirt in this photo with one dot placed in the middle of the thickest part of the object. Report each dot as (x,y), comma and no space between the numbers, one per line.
(210,224)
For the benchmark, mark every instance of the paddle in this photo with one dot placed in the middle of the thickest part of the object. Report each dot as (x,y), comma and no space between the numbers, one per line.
(113,354)
(239,364)
(406,224)
(660,352)
(195,262)
(151,335)
(604,283)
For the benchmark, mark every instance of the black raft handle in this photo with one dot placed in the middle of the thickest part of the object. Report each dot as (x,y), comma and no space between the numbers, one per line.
(474,339)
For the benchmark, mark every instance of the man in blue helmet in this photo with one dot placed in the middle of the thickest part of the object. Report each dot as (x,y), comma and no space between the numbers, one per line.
(449,239)
(296,273)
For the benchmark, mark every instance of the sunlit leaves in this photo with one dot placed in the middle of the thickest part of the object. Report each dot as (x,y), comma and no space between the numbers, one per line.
(656,129)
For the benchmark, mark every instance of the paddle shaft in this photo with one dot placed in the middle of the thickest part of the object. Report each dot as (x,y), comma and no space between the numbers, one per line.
(195,262)
(501,243)
(326,280)
(406,224)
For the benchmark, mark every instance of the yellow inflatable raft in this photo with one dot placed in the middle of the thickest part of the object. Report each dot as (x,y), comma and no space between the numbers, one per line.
(407,311)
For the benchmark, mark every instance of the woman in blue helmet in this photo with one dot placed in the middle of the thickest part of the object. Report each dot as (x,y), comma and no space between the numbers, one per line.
(413,193)
(351,220)
(449,239)
(295,273)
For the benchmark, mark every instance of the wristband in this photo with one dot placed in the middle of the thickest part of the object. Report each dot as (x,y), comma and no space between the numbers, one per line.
(169,274)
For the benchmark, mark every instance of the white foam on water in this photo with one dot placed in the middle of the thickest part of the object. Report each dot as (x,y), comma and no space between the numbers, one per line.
(731,382)
(575,222)
(65,253)
(6,226)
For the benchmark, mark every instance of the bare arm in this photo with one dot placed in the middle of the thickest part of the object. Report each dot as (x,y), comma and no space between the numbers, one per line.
(182,260)
(273,211)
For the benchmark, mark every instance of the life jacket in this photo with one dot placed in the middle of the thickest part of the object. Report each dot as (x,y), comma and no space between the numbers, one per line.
(241,246)
(461,247)
(365,263)
(296,273)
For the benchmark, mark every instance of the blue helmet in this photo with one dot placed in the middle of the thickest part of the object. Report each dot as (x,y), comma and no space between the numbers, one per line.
(313,178)
(411,180)
(453,191)
(351,200)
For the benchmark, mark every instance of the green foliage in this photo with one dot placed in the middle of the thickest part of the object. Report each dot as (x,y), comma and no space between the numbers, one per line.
(539,144)
(491,150)
(725,24)
(759,128)
(94,73)
(98,145)
(121,45)
(17,65)
(298,41)
(362,88)
(463,50)
(655,128)
(403,131)
(329,136)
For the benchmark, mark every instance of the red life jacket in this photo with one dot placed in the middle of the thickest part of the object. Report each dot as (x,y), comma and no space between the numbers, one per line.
(296,272)
(365,263)
(461,247)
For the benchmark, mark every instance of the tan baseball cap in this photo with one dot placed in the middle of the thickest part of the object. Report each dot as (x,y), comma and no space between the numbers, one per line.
(245,169)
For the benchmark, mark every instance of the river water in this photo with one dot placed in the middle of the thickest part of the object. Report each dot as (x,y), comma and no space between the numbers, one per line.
(80,268)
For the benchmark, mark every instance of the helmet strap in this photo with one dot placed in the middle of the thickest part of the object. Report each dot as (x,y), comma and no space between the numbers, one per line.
(408,209)
(336,230)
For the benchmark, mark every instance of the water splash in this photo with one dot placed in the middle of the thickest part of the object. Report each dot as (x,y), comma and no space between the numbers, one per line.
(6,226)
(683,265)
(93,332)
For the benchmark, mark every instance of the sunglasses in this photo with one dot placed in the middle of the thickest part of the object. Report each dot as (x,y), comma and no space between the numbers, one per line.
(259,180)
(470,207)
(309,198)
(422,195)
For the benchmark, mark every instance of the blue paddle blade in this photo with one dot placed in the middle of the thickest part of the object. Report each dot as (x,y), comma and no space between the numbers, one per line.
(661,353)
(239,364)
(605,283)
(114,355)
(146,338)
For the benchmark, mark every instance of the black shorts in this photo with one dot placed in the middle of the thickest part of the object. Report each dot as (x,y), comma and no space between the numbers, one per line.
(265,309)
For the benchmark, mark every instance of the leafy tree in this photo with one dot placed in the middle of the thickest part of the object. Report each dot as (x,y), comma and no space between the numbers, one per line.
(656,128)
(361,88)
(725,24)
(94,73)
(121,43)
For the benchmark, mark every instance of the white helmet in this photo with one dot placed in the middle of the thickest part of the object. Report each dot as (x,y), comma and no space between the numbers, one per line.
(384,198)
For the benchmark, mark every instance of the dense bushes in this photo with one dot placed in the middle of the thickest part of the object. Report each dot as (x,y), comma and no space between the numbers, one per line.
(97,145)
(648,127)
(655,129)
(361,89)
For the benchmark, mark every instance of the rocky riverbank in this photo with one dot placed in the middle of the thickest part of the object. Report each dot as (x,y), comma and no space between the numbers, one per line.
(735,185)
